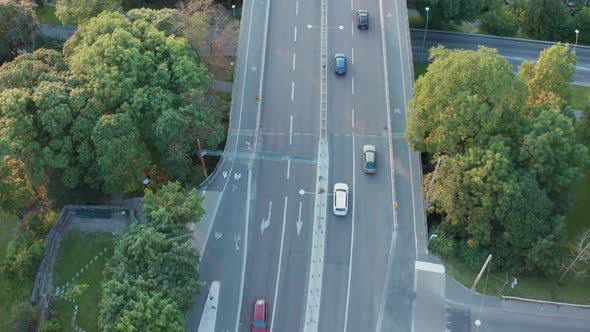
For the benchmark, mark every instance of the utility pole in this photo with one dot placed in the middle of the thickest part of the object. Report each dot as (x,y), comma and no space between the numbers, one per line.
(433,176)
(425,29)
(201,157)
(481,272)
(576,44)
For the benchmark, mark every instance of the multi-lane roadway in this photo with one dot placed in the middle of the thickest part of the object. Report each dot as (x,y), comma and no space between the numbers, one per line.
(270,228)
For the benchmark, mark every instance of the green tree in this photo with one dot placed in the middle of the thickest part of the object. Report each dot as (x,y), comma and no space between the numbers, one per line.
(80,11)
(148,264)
(172,205)
(121,157)
(151,313)
(500,21)
(457,104)
(583,126)
(549,79)
(162,19)
(23,317)
(442,11)
(18,24)
(581,21)
(52,325)
(546,19)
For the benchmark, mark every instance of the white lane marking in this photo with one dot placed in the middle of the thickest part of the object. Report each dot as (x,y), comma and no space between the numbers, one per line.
(276,298)
(292,91)
(293,61)
(288,168)
(352,232)
(353,55)
(297,8)
(291,131)
(295,35)
(352,28)
(244,255)
(266,222)
(353,85)
(351,5)
(299,223)
(430,267)
(353,118)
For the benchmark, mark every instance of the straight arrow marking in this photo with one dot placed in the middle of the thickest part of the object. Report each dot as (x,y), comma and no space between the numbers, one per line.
(299,222)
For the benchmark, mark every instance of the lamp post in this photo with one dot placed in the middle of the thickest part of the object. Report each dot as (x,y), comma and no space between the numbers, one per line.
(576,44)
(233,7)
(425,29)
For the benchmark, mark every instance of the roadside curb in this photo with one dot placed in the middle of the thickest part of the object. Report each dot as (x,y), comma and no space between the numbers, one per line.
(557,304)
(497,37)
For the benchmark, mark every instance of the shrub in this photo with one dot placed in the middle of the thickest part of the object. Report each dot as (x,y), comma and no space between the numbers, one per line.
(500,21)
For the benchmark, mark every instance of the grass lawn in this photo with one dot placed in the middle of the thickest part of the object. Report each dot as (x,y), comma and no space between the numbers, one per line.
(46,14)
(76,251)
(529,286)
(580,96)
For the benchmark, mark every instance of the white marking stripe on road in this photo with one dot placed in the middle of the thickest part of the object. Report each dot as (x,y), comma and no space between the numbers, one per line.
(353,85)
(288,168)
(353,118)
(293,61)
(430,267)
(274,306)
(353,55)
(352,28)
(352,232)
(351,4)
(292,91)
(295,35)
(297,8)
(209,316)
(291,130)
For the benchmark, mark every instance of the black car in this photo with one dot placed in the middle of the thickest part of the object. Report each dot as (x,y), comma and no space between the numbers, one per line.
(362,19)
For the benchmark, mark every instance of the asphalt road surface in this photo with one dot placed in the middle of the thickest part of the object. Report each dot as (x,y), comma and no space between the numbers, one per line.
(514,50)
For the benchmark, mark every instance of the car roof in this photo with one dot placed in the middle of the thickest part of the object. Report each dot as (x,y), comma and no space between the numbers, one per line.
(368,147)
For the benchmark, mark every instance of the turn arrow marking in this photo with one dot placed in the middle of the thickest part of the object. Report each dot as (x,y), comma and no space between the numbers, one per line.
(266,222)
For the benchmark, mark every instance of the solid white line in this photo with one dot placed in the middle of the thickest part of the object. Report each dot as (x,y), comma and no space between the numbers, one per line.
(352,232)
(292,91)
(295,35)
(291,131)
(297,8)
(353,55)
(430,267)
(293,61)
(351,5)
(288,168)
(353,85)
(353,118)
(249,179)
(274,306)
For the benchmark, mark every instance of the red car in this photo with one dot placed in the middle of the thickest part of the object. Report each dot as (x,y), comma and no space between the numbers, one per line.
(260,316)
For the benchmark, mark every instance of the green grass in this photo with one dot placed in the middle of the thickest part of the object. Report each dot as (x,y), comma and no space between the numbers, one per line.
(420,68)
(417,22)
(580,96)
(46,14)
(529,286)
(10,290)
(76,251)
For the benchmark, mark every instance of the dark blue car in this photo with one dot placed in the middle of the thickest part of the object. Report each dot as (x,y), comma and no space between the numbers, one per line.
(340,64)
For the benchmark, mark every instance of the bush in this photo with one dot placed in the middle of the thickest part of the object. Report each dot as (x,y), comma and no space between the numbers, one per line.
(52,326)
(472,257)
(23,257)
(51,42)
(500,21)
(23,317)
(443,245)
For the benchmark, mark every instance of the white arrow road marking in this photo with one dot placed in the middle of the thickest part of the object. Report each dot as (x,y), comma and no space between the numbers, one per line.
(237,176)
(266,222)
(217,235)
(397,111)
(224,174)
(299,222)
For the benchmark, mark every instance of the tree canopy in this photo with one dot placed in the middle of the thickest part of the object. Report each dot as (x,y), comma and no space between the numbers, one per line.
(80,11)
(509,152)
(123,102)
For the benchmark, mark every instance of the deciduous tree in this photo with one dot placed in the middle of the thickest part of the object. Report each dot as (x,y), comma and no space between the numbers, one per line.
(80,11)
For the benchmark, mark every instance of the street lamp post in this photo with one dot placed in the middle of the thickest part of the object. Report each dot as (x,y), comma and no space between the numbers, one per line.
(233,7)
(576,44)
(425,29)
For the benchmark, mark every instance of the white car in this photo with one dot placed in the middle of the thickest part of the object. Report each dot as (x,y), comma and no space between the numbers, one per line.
(340,199)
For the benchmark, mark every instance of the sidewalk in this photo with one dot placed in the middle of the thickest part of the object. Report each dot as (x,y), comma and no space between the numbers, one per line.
(201,229)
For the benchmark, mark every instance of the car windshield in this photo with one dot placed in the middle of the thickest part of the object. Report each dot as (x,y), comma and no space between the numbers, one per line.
(259,324)
(363,18)
(370,165)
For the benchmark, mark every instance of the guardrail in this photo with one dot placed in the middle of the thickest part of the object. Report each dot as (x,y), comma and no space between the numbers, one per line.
(565,304)
(478,35)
